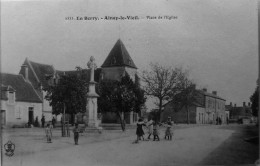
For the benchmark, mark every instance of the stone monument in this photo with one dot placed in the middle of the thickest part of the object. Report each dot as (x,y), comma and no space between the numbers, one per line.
(91,110)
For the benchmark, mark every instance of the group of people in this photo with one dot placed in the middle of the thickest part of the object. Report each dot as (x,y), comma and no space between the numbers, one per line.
(218,121)
(153,129)
(36,122)
(48,132)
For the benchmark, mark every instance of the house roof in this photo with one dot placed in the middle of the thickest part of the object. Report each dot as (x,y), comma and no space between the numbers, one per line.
(97,73)
(3,90)
(119,56)
(38,73)
(24,90)
(42,70)
(210,94)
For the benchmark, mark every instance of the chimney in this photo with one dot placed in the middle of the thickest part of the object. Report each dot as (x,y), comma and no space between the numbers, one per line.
(24,71)
(244,104)
(214,92)
(231,104)
(249,104)
(204,89)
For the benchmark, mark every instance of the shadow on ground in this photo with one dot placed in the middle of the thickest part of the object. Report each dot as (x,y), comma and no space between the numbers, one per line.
(236,149)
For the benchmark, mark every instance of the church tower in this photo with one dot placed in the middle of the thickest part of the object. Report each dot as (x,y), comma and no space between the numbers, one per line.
(118,63)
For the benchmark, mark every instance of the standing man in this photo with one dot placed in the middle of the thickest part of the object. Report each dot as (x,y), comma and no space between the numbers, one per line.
(76,134)
(53,121)
(43,121)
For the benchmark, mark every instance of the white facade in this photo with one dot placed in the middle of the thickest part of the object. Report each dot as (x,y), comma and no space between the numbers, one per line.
(47,109)
(201,115)
(17,113)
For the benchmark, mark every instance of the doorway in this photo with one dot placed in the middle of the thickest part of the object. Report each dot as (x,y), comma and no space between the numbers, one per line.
(30,115)
(3,117)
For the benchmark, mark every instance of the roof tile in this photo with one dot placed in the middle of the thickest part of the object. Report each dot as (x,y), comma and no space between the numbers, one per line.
(24,90)
(119,56)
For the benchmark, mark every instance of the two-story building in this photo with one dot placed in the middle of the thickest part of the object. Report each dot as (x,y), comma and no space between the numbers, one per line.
(207,108)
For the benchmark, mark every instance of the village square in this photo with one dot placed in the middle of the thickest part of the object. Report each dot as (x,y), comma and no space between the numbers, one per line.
(202,128)
(166,90)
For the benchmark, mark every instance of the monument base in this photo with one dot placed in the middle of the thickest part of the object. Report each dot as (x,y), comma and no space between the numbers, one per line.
(92,123)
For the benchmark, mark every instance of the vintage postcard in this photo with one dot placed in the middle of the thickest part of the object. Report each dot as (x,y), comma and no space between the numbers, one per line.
(129,82)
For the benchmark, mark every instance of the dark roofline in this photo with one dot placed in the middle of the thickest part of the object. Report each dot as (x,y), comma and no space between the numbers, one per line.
(194,104)
(211,95)
(119,66)
(29,101)
(32,69)
(44,64)
(37,99)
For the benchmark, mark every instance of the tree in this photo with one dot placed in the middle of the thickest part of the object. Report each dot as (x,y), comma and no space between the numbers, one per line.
(68,94)
(187,97)
(120,97)
(162,82)
(255,100)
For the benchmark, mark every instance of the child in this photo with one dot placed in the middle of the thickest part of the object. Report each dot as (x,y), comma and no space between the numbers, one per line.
(168,132)
(150,128)
(139,130)
(48,133)
(76,134)
(155,131)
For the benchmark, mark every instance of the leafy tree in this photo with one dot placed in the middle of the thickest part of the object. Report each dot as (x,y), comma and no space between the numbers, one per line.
(68,93)
(162,82)
(120,97)
(255,100)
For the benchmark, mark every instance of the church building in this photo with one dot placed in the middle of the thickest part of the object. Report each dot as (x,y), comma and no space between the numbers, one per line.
(117,64)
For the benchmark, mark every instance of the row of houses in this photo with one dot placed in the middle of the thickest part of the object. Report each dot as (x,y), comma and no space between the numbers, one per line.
(206,110)
(240,113)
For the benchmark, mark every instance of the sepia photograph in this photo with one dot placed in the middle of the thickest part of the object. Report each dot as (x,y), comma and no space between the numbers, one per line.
(129,82)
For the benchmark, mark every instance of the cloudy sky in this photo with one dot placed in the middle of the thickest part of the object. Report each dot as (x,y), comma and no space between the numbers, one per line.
(215,39)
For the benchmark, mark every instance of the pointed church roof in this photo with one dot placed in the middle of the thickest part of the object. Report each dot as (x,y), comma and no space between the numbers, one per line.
(119,56)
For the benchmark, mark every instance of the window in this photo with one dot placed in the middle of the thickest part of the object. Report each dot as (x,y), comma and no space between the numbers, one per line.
(11,97)
(18,113)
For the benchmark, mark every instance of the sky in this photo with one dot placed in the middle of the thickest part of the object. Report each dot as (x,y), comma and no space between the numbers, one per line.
(217,40)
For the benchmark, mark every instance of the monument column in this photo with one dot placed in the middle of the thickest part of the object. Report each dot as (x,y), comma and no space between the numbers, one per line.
(91,110)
